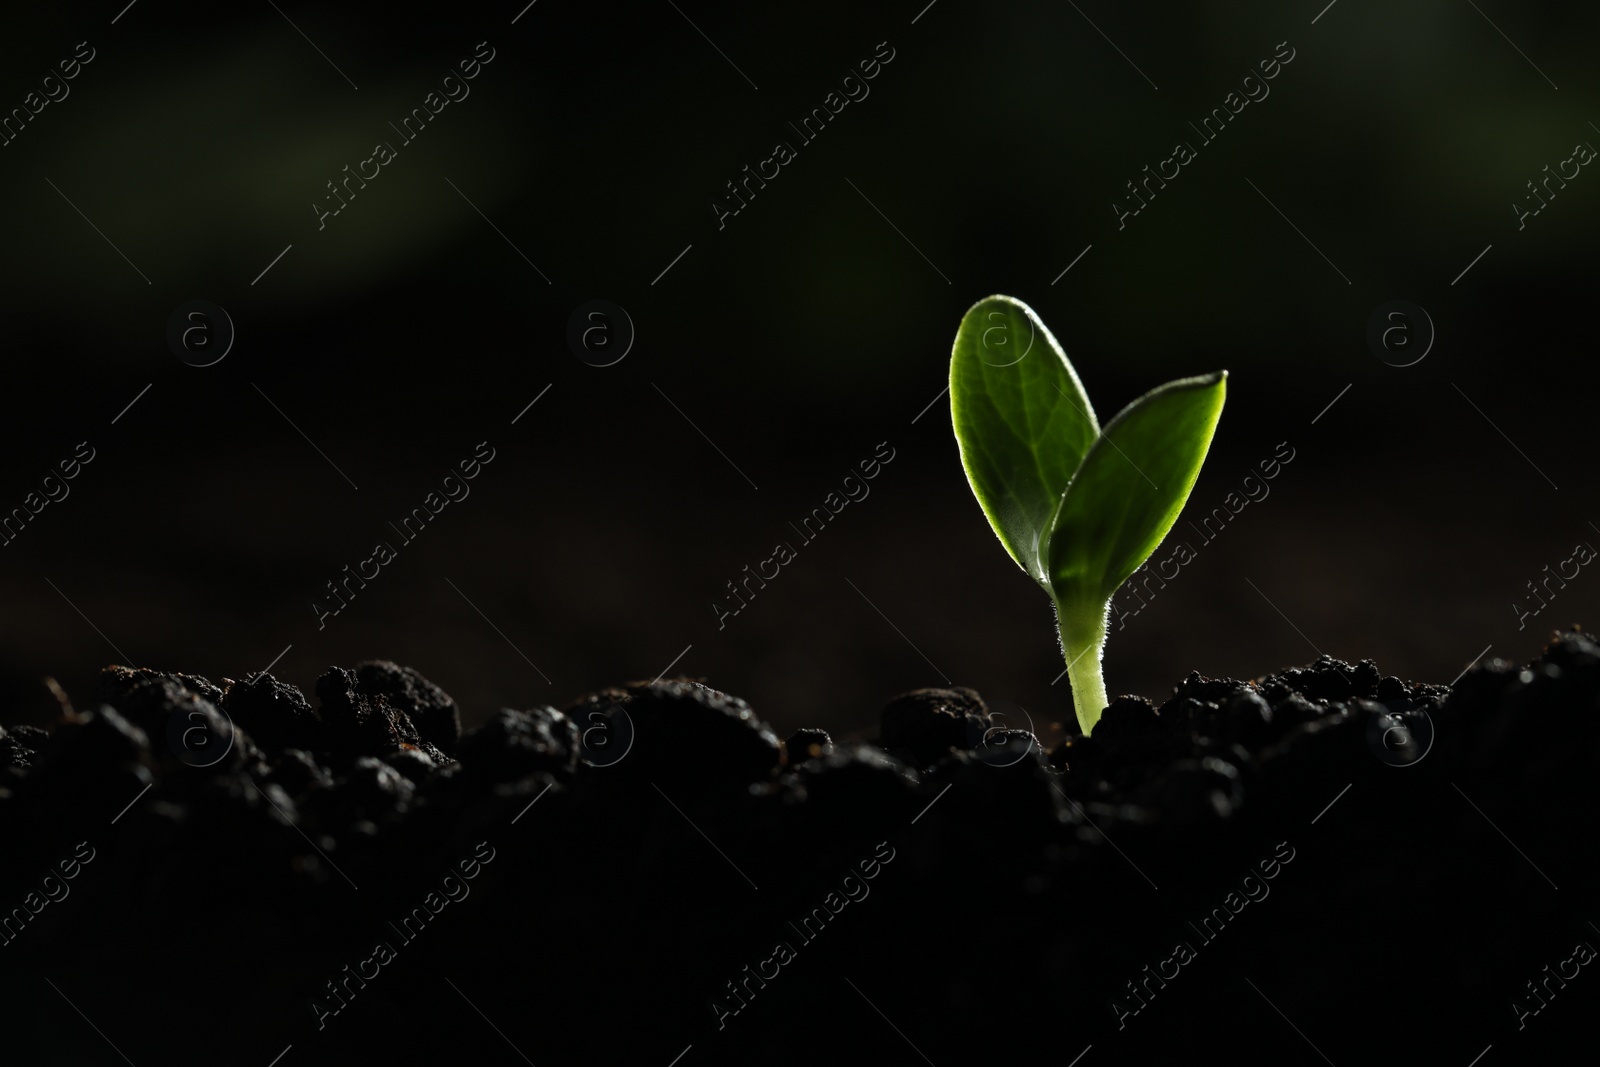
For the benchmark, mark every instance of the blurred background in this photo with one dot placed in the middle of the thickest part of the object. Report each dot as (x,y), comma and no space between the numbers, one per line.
(776,351)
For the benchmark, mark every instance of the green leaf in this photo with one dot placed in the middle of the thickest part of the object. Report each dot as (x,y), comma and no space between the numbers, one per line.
(1022,421)
(1131,487)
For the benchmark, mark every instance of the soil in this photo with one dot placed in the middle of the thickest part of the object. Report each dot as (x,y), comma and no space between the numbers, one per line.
(1323,864)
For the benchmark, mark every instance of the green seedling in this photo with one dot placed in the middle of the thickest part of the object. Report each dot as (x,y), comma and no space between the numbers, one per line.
(1078,506)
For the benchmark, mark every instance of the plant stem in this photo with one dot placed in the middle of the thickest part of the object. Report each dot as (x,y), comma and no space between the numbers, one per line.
(1083,640)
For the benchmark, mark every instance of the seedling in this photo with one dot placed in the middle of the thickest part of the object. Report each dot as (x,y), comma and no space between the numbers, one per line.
(1078,506)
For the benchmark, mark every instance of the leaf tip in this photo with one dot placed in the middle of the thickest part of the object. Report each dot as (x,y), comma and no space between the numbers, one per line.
(1217,379)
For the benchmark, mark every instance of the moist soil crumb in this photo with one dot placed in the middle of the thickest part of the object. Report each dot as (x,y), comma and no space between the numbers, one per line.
(1325,863)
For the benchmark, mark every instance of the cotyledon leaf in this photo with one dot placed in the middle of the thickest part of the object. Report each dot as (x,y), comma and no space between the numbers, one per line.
(1022,420)
(1131,486)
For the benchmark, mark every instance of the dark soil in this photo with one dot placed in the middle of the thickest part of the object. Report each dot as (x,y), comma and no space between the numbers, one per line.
(1324,864)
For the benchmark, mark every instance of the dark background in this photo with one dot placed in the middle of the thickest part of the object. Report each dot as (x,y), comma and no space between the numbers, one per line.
(796,338)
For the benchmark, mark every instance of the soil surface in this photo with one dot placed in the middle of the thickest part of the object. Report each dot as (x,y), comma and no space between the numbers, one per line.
(1320,865)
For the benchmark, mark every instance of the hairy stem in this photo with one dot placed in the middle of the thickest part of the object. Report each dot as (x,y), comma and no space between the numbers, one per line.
(1083,640)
